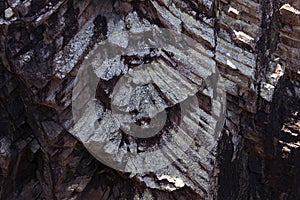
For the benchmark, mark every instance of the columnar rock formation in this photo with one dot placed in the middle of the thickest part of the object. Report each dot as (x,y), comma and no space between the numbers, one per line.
(253,43)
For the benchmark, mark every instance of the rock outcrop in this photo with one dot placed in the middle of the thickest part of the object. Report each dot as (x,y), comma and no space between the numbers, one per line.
(253,44)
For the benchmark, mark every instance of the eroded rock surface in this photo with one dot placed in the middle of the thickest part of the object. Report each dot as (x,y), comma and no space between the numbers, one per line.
(253,44)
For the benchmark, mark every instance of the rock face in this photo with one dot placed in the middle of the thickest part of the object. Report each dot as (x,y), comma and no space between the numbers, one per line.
(254,45)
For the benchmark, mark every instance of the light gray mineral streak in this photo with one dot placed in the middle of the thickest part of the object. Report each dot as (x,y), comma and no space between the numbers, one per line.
(110,68)
(267,91)
(8,13)
(66,59)
(134,24)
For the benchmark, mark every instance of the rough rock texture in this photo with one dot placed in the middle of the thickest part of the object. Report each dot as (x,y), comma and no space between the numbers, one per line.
(254,44)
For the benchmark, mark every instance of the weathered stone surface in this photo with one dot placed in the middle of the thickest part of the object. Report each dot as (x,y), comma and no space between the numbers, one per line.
(255,46)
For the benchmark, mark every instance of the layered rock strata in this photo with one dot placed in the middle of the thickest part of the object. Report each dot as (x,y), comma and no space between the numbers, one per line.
(254,46)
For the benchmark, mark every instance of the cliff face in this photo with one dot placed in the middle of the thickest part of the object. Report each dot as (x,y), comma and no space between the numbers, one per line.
(253,44)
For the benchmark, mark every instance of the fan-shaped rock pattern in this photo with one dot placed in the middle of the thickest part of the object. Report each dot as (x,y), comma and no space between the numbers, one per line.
(151,119)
